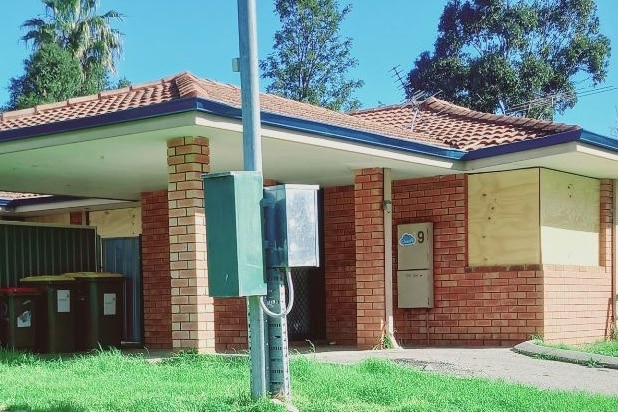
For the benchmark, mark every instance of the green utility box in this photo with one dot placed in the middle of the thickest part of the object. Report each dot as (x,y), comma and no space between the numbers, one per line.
(55,326)
(99,311)
(18,318)
(234,234)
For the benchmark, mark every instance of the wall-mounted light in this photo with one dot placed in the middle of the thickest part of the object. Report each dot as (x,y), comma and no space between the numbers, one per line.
(387,206)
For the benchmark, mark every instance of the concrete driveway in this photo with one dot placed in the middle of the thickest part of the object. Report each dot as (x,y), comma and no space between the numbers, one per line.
(490,363)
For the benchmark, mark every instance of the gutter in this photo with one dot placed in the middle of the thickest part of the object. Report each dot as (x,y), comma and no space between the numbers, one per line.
(579,135)
(201,105)
(552,140)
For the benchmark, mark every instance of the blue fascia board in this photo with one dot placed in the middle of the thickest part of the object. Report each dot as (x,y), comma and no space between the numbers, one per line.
(138,113)
(596,139)
(552,140)
(220,109)
(331,131)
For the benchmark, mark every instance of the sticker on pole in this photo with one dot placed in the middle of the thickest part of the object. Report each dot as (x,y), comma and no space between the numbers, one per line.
(109,304)
(63,300)
(407,239)
(24,320)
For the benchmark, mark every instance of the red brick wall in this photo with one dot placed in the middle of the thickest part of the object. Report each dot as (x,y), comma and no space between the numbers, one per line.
(340,265)
(480,306)
(156,270)
(369,231)
(578,299)
(230,324)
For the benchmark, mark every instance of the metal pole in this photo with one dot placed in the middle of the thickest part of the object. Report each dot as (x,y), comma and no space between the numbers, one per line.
(252,161)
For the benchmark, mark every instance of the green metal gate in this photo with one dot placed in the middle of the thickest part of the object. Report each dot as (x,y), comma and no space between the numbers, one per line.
(31,250)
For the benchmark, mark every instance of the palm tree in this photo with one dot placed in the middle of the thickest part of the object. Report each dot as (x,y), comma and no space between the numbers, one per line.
(75,26)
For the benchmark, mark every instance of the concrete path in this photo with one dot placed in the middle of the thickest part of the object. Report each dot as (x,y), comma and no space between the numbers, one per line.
(490,363)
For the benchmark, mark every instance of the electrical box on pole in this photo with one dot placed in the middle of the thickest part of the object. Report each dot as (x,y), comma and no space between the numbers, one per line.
(234,234)
(291,226)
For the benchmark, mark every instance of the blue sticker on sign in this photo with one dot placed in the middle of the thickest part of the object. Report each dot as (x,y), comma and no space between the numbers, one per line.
(407,239)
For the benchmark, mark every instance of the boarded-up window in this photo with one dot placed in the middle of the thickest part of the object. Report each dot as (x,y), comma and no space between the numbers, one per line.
(533,216)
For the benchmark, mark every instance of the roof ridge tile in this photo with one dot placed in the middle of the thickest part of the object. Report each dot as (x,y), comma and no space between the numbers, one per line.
(19,113)
(81,99)
(113,92)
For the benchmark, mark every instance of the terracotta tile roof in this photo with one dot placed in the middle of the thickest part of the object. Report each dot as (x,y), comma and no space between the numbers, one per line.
(17,196)
(187,85)
(459,127)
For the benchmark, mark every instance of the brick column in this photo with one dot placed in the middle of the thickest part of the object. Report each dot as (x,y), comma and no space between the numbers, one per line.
(191,307)
(156,270)
(369,232)
(340,265)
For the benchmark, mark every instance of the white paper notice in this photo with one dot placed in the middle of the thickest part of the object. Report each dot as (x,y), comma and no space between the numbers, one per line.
(24,320)
(109,304)
(64,301)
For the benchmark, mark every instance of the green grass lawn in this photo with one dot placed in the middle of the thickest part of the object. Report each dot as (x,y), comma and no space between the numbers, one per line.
(605,347)
(110,381)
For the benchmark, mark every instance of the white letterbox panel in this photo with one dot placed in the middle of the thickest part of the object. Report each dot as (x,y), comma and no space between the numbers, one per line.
(415,246)
(415,289)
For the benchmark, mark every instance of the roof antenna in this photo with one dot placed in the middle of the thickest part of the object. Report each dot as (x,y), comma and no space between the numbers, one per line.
(396,74)
(418,97)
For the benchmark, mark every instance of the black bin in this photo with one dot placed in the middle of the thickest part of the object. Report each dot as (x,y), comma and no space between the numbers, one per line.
(18,318)
(55,327)
(99,320)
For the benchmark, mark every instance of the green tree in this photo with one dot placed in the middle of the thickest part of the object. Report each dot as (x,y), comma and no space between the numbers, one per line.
(309,61)
(75,26)
(498,55)
(51,75)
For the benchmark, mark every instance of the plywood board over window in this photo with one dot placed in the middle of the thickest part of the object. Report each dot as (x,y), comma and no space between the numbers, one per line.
(117,222)
(503,213)
(570,213)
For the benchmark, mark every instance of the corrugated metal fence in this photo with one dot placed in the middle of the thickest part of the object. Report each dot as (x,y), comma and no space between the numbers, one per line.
(30,250)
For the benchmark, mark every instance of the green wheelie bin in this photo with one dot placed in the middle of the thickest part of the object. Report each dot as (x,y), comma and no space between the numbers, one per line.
(55,327)
(18,318)
(99,318)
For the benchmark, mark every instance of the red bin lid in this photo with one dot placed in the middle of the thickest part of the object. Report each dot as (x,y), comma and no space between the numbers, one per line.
(16,291)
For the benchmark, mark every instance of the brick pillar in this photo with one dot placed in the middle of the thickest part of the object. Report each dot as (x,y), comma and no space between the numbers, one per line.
(77,218)
(191,307)
(340,265)
(156,271)
(369,232)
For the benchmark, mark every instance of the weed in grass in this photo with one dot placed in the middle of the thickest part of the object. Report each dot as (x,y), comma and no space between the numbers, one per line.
(593,363)
(536,337)
(16,357)
(545,356)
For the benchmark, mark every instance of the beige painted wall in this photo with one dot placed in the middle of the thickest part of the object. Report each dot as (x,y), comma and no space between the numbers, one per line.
(503,218)
(570,219)
(117,222)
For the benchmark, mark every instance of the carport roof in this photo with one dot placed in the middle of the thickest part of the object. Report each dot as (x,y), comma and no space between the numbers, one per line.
(186,85)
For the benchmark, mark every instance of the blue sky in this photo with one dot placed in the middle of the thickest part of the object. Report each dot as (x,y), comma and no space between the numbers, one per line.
(163,37)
